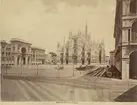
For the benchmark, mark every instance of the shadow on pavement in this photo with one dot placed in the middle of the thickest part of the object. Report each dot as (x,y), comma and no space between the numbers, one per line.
(22,77)
(128,96)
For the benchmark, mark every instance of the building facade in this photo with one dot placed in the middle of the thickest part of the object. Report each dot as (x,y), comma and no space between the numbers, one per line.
(38,55)
(6,55)
(112,58)
(125,35)
(20,52)
(82,48)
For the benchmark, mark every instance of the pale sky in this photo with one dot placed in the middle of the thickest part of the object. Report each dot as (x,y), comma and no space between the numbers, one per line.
(46,22)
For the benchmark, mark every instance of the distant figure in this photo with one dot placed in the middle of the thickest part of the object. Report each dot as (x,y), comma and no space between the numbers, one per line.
(89,61)
(67,62)
(83,62)
(61,60)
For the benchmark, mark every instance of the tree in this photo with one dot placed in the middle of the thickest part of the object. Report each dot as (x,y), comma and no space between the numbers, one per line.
(53,57)
(61,58)
(67,55)
(83,55)
(89,57)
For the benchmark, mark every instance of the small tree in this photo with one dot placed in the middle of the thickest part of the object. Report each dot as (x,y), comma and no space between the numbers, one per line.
(83,55)
(53,55)
(67,55)
(89,58)
(61,58)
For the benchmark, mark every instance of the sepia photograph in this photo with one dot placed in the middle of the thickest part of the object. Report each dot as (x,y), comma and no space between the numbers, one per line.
(68,51)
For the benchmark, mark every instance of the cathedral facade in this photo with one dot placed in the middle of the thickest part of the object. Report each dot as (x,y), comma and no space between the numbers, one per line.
(80,48)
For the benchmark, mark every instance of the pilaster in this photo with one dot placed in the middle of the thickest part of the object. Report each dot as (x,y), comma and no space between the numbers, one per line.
(26,60)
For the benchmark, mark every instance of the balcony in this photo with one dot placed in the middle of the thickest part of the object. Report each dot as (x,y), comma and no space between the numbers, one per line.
(129,16)
(133,43)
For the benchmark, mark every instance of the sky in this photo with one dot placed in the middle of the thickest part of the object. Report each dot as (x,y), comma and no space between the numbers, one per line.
(46,22)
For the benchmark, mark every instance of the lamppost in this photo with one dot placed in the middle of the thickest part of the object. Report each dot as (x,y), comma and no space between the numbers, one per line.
(37,69)
(21,64)
(5,58)
(73,63)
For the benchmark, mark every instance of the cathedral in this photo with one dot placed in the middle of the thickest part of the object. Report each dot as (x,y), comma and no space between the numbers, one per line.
(80,48)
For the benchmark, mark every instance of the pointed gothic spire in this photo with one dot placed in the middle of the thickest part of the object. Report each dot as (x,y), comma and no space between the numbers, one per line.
(58,45)
(86,29)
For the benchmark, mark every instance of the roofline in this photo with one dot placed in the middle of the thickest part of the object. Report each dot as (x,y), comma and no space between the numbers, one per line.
(3,41)
(19,40)
(37,48)
(112,51)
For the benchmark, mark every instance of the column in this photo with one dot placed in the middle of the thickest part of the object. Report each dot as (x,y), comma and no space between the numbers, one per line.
(125,35)
(26,60)
(15,61)
(130,34)
(20,59)
(126,7)
(127,72)
(29,60)
(16,48)
(125,69)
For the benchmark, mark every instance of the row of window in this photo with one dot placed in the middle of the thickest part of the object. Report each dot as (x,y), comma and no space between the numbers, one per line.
(10,59)
(132,34)
(6,53)
(38,55)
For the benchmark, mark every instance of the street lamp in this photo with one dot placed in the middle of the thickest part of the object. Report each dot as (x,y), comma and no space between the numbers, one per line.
(73,66)
(5,64)
(37,69)
(21,65)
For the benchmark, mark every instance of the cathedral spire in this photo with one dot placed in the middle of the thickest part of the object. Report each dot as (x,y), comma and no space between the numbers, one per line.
(86,29)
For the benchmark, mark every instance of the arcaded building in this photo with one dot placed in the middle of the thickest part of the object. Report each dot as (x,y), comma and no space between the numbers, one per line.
(125,35)
(6,55)
(20,52)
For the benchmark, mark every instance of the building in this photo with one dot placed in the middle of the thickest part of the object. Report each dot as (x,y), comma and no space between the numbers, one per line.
(125,34)
(20,52)
(6,55)
(107,59)
(38,55)
(112,58)
(82,48)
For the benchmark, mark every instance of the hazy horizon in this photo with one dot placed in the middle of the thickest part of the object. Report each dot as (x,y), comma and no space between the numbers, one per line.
(45,22)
